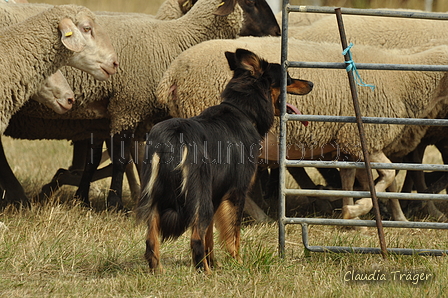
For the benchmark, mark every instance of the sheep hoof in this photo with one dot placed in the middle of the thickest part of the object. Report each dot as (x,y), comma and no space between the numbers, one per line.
(114,202)
(349,212)
(361,229)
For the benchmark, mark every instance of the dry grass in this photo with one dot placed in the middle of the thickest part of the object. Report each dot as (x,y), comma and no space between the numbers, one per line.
(63,250)
(60,249)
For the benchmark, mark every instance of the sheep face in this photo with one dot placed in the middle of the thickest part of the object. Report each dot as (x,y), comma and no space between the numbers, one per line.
(56,94)
(93,50)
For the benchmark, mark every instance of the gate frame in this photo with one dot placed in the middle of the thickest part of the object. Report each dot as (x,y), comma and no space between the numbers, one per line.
(283,163)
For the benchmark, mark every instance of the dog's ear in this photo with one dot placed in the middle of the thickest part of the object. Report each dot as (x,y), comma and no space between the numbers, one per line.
(249,61)
(231,59)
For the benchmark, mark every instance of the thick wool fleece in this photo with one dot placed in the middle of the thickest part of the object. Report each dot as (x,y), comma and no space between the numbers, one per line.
(188,87)
(31,51)
(145,47)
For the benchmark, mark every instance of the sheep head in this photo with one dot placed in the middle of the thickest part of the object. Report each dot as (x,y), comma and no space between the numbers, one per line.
(91,46)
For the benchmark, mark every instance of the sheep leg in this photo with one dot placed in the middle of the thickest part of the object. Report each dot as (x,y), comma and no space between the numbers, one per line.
(251,208)
(133,181)
(91,164)
(332,177)
(302,178)
(414,178)
(132,170)
(394,204)
(438,184)
(72,175)
(386,178)
(121,147)
(13,192)
(138,154)
(255,199)
(418,178)
(347,180)
(304,181)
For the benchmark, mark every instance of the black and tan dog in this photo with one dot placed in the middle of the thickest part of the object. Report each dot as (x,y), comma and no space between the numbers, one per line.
(197,171)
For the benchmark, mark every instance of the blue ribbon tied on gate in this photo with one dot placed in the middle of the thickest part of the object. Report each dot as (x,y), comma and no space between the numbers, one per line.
(352,67)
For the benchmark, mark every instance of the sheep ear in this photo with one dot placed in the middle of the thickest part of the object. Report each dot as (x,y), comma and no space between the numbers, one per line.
(231,59)
(249,61)
(225,7)
(71,36)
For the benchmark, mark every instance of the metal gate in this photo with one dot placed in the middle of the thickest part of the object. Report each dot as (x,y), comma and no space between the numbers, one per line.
(283,162)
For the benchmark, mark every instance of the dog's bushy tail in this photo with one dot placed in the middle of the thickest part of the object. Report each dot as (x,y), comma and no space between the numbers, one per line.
(173,183)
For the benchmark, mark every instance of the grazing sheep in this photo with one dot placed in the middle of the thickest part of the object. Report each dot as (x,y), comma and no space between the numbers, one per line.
(40,52)
(184,91)
(129,98)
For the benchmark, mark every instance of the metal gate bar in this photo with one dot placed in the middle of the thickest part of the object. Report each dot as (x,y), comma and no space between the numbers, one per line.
(366,12)
(368,120)
(368,250)
(283,220)
(360,165)
(366,194)
(369,66)
(367,223)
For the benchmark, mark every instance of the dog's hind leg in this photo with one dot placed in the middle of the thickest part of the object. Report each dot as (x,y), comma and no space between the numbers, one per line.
(209,243)
(152,254)
(199,248)
(228,223)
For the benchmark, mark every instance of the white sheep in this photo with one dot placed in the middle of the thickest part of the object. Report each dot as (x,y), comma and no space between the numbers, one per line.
(186,89)
(388,33)
(42,51)
(174,9)
(259,20)
(146,48)
(55,93)
(302,19)
(58,36)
